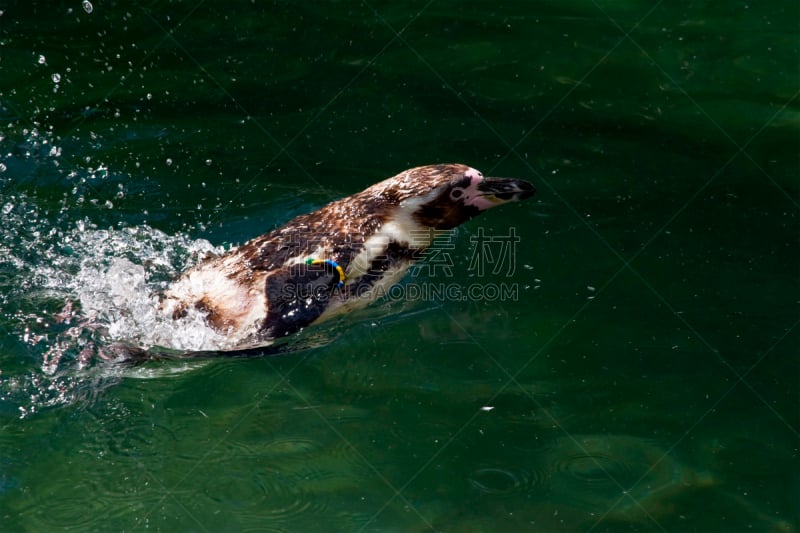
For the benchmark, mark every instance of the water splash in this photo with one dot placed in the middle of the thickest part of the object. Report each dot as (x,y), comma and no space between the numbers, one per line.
(69,289)
(113,278)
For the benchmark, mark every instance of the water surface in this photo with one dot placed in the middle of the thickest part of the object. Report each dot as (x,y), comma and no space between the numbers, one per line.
(643,376)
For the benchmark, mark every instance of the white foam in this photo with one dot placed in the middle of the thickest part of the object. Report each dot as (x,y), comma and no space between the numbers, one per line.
(119,298)
(118,282)
(107,280)
(112,277)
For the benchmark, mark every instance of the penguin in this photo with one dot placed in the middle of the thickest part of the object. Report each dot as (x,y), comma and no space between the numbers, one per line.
(336,259)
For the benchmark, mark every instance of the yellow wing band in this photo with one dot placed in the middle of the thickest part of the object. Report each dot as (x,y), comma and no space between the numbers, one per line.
(334,264)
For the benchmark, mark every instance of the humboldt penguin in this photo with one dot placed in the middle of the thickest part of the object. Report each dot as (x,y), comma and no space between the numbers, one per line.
(335,259)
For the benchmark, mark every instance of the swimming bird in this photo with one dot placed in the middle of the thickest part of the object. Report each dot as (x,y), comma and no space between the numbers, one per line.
(335,259)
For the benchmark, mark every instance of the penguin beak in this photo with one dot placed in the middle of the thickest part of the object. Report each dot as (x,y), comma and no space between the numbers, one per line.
(502,190)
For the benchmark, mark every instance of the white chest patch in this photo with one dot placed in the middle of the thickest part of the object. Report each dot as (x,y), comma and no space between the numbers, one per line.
(218,288)
(401,228)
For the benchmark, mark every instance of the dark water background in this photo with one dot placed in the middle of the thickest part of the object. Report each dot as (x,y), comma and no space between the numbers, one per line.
(644,378)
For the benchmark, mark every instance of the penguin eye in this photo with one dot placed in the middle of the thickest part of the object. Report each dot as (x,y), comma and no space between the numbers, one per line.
(456,193)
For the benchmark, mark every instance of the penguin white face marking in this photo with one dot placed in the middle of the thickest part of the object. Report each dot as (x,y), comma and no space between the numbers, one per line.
(470,195)
(466,195)
(473,173)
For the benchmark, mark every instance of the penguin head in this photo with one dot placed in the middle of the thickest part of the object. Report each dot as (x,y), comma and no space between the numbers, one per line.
(449,195)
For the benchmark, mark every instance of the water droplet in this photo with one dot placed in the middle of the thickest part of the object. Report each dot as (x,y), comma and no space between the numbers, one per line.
(56,77)
(7,208)
(3,168)
(42,60)
(149,96)
(87,6)
(208,162)
(169,162)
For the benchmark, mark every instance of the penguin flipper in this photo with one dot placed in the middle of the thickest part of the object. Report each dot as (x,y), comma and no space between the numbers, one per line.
(297,296)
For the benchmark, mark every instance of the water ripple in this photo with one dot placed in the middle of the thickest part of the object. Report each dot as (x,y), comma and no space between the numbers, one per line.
(496,481)
(594,468)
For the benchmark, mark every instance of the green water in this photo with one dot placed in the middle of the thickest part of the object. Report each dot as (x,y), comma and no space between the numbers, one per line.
(643,377)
